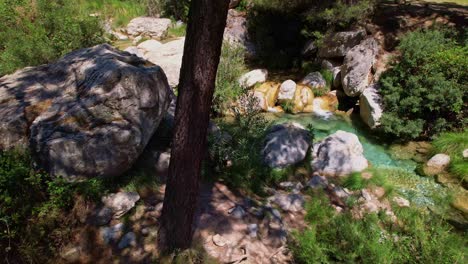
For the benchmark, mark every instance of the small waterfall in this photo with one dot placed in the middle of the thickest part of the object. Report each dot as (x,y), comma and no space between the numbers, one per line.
(318,109)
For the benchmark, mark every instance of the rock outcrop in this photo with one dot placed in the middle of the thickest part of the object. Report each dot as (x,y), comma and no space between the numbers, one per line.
(338,44)
(89,114)
(356,72)
(339,154)
(149,27)
(286,144)
(370,104)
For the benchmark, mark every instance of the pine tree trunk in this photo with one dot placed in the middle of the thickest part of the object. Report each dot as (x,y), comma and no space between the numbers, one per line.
(207,20)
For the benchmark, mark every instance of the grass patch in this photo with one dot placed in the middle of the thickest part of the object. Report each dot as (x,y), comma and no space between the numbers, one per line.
(119,11)
(176,32)
(228,89)
(339,238)
(453,144)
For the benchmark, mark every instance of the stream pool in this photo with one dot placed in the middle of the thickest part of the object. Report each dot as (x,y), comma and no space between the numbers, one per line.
(421,191)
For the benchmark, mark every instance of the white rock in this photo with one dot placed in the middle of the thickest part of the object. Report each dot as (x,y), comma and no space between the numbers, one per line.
(149,26)
(135,51)
(439,162)
(253,77)
(339,154)
(169,57)
(121,202)
(219,240)
(149,46)
(290,202)
(465,153)
(370,103)
(401,202)
(287,90)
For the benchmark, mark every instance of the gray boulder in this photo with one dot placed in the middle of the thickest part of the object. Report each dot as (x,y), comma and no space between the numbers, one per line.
(370,103)
(315,80)
(89,114)
(337,44)
(286,144)
(356,72)
(151,27)
(339,154)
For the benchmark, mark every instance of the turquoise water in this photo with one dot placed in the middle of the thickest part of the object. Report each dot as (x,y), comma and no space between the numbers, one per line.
(421,191)
(376,153)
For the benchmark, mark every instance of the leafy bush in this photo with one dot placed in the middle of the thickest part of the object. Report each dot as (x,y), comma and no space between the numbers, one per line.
(32,206)
(37,32)
(454,144)
(287,105)
(336,16)
(425,90)
(340,238)
(230,69)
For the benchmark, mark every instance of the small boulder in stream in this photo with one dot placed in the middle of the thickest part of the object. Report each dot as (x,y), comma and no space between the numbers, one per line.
(339,154)
(286,144)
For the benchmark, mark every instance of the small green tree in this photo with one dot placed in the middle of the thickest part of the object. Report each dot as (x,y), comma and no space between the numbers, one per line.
(425,90)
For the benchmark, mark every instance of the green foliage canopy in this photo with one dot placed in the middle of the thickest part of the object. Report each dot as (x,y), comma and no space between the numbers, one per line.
(425,92)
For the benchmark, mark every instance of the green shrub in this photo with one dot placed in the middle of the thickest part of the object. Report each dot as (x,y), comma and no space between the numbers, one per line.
(336,16)
(287,105)
(340,238)
(33,207)
(230,69)
(242,148)
(37,32)
(454,144)
(425,90)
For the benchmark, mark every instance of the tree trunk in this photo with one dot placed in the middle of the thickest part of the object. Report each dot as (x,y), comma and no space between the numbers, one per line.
(207,20)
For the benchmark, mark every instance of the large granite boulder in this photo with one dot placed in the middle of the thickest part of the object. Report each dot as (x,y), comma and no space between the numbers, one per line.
(339,154)
(89,114)
(370,104)
(151,27)
(285,144)
(356,72)
(336,45)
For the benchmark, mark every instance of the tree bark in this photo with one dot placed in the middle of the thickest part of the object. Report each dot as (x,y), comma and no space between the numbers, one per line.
(207,20)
